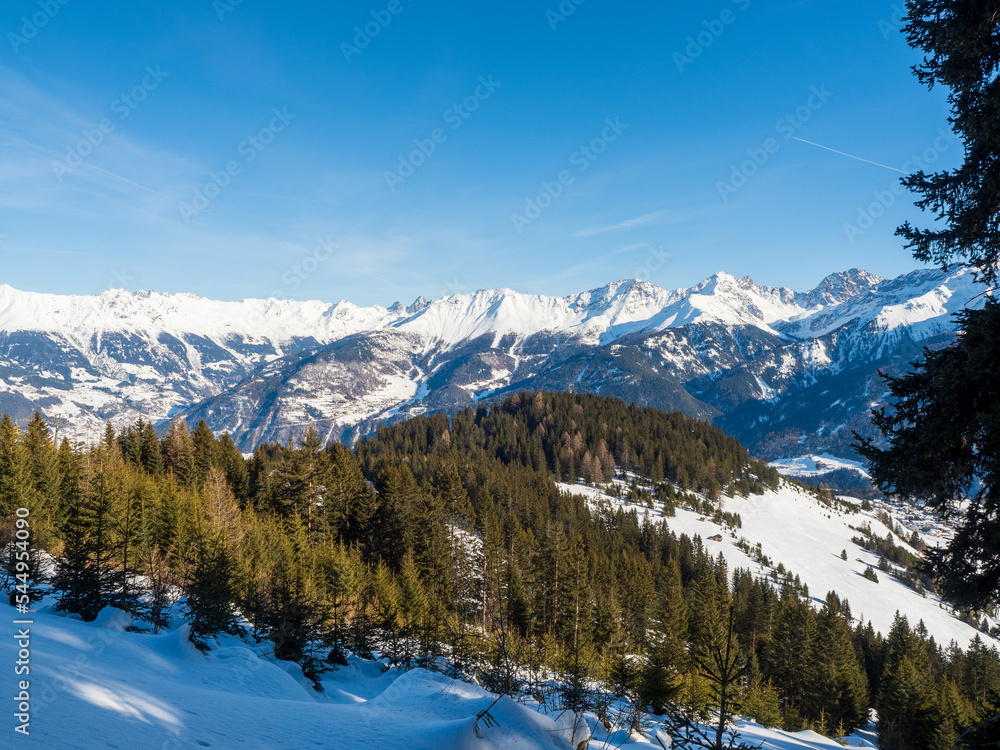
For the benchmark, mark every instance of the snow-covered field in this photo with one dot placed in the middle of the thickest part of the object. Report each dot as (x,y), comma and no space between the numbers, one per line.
(795,529)
(96,685)
(812,465)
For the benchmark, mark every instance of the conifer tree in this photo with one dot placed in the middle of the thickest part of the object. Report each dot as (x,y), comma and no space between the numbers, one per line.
(905,702)
(392,521)
(385,606)
(15,469)
(414,613)
(129,537)
(296,612)
(211,593)
(150,453)
(667,655)
(204,453)
(221,508)
(161,585)
(941,428)
(342,582)
(43,461)
(840,690)
(178,453)
(231,462)
(18,491)
(350,503)
(300,485)
(790,658)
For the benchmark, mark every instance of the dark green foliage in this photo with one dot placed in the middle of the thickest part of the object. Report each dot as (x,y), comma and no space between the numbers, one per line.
(943,432)
(905,700)
(962,53)
(450,537)
(944,445)
(568,432)
(211,592)
(840,692)
(85,576)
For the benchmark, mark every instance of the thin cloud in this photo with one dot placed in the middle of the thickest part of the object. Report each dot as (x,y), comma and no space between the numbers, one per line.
(627,224)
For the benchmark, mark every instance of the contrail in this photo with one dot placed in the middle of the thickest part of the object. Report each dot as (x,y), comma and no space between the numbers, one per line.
(143,187)
(850,155)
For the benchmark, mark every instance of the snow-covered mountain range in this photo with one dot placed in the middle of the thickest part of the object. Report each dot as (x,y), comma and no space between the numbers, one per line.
(784,371)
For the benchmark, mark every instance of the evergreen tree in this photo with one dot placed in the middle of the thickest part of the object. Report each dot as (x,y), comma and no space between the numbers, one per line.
(384,598)
(350,503)
(18,491)
(414,613)
(840,691)
(231,462)
(943,441)
(905,702)
(342,582)
(296,613)
(667,655)
(791,657)
(43,461)
(178,453)
(204,453)
(150,454)
(300,485)
(15,469)
(129,540)
(211,593)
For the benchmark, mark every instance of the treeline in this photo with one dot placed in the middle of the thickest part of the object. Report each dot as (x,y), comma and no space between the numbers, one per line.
(582,436)
(443,537)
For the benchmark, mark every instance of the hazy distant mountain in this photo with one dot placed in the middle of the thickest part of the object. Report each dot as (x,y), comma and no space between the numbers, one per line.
(786,372)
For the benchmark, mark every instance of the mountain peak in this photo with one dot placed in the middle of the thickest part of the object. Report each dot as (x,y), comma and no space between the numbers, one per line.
(418,304)
(718,281)
(838,287)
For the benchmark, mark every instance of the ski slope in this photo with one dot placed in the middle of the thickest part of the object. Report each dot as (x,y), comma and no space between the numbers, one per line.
(793,528)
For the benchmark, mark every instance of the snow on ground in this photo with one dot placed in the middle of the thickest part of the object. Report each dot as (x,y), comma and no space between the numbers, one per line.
(795,529)
(812,465)
(97,685)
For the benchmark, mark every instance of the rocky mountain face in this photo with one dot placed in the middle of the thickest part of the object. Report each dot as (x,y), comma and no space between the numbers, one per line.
(786,372)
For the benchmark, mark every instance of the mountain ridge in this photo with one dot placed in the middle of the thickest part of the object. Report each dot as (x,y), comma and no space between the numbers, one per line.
(759,360)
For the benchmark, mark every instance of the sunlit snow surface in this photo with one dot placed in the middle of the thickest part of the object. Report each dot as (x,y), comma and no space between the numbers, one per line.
(122,355)
(813,465)
(96,685)
(793,528)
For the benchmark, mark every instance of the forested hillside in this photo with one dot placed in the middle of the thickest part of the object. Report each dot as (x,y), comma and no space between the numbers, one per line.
(448,537)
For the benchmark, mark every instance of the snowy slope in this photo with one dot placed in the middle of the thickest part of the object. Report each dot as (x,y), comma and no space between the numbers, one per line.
(96,685)
(811,465)
(793,528)
(150,314)
(619,308)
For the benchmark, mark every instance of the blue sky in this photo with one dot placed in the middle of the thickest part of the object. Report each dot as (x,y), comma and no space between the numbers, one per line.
(377,151)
